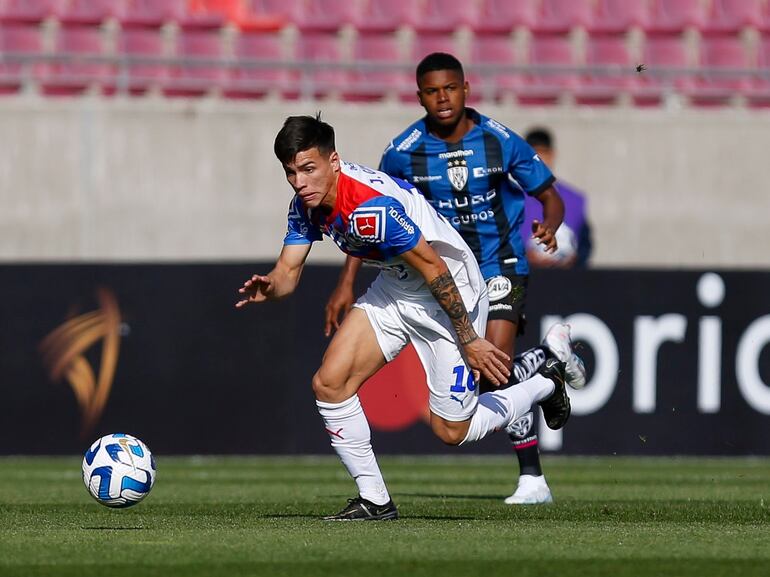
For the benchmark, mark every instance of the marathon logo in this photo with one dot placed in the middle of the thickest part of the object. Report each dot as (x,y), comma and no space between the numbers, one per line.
(456,154)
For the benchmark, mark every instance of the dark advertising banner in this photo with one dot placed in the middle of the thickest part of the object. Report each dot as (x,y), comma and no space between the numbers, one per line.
(678,362)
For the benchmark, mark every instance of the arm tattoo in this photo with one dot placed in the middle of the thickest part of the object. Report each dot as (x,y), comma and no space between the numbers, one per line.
(445,291)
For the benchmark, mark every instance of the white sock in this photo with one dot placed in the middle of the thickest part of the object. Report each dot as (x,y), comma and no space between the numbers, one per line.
(351,438)
(497,409)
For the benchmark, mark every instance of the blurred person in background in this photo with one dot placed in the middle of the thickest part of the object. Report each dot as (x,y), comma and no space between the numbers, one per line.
(574,234)
(462,162)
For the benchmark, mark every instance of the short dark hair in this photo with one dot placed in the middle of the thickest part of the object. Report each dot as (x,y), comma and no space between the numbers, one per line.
(539,137)
(300,133)
(439,61)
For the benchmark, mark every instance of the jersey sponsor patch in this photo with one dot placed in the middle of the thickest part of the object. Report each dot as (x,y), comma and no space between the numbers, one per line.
(368,224)
(498,288)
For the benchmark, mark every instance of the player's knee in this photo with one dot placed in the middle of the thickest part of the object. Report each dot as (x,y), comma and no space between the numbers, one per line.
(328,389)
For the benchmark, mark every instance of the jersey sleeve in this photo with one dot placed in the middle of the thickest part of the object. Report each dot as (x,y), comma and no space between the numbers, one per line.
(382,223)
(390,162)
(526,168)
(300,229)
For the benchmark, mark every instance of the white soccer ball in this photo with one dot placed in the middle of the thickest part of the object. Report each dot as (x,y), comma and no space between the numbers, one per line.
(118,470)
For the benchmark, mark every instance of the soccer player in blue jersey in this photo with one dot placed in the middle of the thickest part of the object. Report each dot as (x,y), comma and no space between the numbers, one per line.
(430,292)
(475,172)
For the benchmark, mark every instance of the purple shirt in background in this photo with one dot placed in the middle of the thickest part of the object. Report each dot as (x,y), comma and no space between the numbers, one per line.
(574,235)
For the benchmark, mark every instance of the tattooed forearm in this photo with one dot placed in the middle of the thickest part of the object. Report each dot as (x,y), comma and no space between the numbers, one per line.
(445,291)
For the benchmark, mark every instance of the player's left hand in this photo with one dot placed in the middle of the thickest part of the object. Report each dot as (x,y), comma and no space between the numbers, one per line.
(545,236)
(485,358)
(257,289)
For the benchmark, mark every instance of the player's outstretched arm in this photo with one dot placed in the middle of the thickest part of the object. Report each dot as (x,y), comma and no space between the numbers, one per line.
(341,299)
(482,356)
(553,214)
(279,282)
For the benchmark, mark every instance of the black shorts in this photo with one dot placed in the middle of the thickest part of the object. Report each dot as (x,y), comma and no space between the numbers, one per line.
(507,295)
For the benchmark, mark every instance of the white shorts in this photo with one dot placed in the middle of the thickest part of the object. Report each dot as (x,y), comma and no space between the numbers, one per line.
(453,391)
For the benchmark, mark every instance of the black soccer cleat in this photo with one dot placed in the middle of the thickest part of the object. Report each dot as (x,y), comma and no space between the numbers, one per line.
(360,509)
(556,408)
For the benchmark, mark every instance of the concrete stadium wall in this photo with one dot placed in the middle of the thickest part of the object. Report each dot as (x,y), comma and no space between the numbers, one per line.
(153,180)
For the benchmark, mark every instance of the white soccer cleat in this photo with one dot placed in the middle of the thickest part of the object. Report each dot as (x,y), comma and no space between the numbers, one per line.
(558,341)
(531,491)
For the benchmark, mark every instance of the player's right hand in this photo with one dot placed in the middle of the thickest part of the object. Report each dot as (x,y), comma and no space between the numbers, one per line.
(485,358)
(257,289)
(340,301)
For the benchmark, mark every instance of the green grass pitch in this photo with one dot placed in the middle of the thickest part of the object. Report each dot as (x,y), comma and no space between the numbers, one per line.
(260,516)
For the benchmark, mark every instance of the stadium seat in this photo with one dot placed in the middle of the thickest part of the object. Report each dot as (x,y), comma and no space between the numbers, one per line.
(758,93)
(325,15)
(286,11)
(673,16)
(440,16)
(425,44)
(715,85)
(377,58)
(504,16)
(73,76)
(731,16)
(666,60)
(541,85)
(29,11)
(612,74)
(189,78)
(618,16)
(91,12)
(322,74)
(561,16)
(153,12)
(16,41)
(259,67)
(385,15)
(134,45)
(487,74)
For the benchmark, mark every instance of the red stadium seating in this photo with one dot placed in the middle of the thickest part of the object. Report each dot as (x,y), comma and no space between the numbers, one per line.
(720,55)
(29,10)
(287,11)
(673,16)
(375,83)
(494,51)
(758,94)
(91,12)
(439,16)
(425,44)
(611,54)
(618,16)
(386,15)
(133,45)
(73,77)
(17,40)
(188,78)
(540,87)
(322,78)
(666,60)
(504,16)
(153,12)
(325,15)
(731,16)
(561,16)
(250,80)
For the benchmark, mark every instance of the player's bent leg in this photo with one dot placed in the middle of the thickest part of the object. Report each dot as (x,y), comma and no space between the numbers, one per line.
(352,357)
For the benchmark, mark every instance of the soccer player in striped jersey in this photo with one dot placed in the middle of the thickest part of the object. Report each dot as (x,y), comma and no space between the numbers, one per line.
(430,292)
(475,172)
